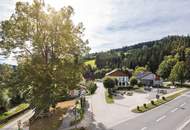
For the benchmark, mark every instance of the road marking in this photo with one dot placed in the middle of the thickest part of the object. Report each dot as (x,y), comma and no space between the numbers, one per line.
(144,128)
(184,125)
(174,110)
(161,118)
(182,104)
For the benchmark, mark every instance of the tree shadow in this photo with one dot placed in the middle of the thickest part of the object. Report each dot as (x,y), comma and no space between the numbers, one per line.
(89,122)
(118,97)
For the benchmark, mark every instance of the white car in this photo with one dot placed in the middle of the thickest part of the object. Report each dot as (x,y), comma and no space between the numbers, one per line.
(172,87)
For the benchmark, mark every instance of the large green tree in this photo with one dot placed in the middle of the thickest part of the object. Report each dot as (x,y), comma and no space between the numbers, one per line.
(187,61)
(109,83)
(178,72)
(139,69)
(166,66)
(48,47)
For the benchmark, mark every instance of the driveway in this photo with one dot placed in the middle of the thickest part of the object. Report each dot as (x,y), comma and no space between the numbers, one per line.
(110,114)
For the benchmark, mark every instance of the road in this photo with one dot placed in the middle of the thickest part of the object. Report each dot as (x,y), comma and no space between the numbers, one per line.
(13,124)
(107,114)
(170,116)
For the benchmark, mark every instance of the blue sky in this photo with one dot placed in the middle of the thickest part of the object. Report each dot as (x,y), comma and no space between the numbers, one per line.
(117,23)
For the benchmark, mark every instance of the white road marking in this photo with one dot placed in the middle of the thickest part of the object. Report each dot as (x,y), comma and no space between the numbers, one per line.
(184,125)
(144,128)
(182,104)
(161,118)
(174,110)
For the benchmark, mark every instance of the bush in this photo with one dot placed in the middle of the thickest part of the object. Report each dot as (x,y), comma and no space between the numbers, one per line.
(138,108)
(133,81)
(91,86)
(152,102)
(140,84)
(163,98)
(109,98)
(144,105)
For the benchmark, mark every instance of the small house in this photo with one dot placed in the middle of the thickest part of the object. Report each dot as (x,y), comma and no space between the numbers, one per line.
(149,79)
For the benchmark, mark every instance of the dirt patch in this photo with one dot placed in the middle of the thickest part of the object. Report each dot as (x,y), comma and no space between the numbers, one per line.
(65,104)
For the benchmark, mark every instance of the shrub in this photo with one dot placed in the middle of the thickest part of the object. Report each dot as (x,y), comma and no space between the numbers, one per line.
(133,81)
(163,98)
(138,108)
(144,105)
(152,102)
(91,86)
(140,84)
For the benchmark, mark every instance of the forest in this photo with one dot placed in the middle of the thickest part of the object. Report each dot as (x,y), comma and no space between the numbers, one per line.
(147,54)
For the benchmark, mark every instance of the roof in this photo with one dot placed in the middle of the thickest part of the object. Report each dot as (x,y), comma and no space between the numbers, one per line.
(117,72)
(146,75)
(143,74)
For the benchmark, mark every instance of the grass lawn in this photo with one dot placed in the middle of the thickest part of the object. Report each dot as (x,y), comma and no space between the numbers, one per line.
(54,121)
(109,99)
(91,62)
(157,103)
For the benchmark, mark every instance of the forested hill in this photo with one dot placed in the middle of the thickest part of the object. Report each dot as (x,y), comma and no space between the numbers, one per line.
(147,53)
(164,40)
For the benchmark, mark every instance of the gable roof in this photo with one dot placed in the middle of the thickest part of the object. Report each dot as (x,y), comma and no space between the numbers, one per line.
(117,72)
(143,74)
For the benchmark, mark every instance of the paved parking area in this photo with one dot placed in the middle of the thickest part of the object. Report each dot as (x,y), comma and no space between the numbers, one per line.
(113,114)
(109,114)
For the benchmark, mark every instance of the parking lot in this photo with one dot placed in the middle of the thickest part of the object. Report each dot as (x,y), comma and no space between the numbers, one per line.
(120,110)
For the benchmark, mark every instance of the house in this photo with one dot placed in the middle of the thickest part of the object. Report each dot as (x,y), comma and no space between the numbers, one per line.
(149,79)
(121,76)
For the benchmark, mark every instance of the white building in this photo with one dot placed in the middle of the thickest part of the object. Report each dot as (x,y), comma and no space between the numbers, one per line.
(121,76)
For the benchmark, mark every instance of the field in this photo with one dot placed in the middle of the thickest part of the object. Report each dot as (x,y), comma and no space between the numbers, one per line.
(91,62)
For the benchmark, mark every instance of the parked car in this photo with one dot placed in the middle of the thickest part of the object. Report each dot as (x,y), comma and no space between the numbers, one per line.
(172,87)
(130,93)
(163,91)
(147,88)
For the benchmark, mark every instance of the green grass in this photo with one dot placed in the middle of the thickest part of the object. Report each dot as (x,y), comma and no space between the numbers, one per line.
(91,62)
(157,103)
(109,99)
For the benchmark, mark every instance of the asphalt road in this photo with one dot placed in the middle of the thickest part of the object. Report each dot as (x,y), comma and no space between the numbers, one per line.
(170,116)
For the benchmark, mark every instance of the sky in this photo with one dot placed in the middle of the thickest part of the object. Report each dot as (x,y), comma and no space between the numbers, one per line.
(116,23)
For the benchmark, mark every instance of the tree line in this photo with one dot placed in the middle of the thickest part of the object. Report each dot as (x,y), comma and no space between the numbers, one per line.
(149,54)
